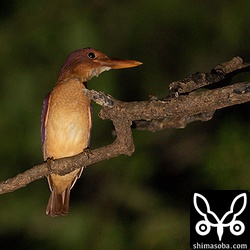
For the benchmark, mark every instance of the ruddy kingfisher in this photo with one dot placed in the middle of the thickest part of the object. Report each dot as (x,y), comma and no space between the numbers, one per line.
(66,119)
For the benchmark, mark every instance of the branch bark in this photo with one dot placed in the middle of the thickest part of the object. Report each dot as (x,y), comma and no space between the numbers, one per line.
(184,104)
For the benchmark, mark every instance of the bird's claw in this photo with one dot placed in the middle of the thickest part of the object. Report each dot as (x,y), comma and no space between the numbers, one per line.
(50,162)
(87,151)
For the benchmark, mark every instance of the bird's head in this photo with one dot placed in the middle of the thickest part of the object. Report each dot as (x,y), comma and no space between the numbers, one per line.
(89,62)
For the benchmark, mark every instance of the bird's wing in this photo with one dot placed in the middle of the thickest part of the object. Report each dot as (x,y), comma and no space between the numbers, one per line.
(90,122)
(44,116)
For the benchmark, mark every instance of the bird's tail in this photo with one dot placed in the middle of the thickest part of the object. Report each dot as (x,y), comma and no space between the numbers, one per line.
(58,203)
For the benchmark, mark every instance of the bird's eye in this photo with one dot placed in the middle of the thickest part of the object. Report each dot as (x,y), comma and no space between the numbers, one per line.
(91,55)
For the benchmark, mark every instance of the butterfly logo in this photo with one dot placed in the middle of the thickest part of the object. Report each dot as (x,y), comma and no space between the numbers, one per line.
(210,219)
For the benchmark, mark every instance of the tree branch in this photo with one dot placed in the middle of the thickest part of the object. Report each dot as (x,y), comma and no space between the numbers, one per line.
(182,106)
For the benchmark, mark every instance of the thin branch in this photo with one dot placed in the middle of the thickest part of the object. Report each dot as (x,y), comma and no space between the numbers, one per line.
(180,111)
(174,111)
(221,72)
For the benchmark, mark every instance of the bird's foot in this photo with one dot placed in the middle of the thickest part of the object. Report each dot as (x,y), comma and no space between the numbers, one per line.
(50,162)
(87,151)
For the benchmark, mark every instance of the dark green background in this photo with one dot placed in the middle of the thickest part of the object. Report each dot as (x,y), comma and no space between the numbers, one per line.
(137,202)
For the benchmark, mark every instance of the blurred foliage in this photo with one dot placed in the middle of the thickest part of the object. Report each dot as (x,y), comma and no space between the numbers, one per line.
(137,202)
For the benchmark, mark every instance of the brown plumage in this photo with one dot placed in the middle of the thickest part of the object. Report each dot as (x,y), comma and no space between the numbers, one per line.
(66,118)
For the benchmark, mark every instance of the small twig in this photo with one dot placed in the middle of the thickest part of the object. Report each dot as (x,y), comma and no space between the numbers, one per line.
(220,72)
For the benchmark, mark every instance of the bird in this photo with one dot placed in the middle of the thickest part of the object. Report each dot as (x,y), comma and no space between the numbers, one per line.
(66,118)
